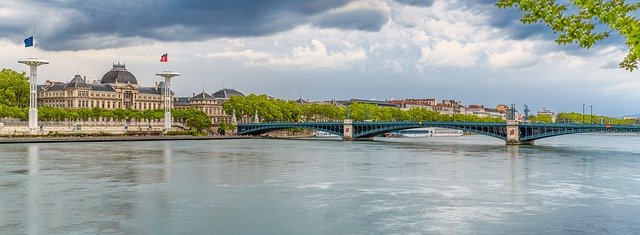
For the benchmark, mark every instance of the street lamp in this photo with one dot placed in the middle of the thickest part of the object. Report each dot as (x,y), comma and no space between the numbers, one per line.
(591,116)
(33,64)
(582,114)
(167,75)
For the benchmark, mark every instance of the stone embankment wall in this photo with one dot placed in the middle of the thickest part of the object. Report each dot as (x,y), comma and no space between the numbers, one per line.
(81,127)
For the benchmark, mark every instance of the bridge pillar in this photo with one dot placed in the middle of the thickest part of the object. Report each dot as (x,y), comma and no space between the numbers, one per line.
(347,130)
(513,134)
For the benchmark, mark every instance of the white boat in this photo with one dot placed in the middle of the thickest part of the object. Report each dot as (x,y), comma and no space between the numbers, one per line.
(426,132)
(324,134)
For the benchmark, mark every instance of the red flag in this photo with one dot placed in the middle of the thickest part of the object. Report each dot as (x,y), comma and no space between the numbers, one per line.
(164,58)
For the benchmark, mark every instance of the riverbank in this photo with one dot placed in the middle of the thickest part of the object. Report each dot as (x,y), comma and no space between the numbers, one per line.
(66,139)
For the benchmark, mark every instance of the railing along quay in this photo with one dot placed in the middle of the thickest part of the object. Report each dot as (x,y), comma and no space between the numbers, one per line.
(50,139)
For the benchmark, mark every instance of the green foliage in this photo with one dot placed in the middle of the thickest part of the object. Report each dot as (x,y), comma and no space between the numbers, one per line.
(13,112)
(541,118)
(595,119)
(575,22)
(274,110)
(193,118)
(269,109)
(199,122)
(190,132)
(61,114)
(14,89)
(225,127)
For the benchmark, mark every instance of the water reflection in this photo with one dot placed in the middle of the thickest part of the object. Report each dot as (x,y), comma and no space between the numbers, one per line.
(166,166)
(293,187)
(34,194)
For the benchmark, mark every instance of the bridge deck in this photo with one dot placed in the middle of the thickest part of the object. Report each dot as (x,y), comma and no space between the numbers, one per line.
(527,131)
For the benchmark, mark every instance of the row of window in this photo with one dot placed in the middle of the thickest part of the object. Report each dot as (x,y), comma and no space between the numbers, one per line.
(98,103)
(87,94)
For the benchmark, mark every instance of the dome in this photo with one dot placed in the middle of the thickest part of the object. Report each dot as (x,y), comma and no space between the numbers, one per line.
(226,93)
(119,74)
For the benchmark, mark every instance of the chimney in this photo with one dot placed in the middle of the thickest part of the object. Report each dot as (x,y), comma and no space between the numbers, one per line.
(194,94)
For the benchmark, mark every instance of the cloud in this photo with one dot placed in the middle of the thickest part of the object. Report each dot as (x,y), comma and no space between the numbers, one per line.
(420,3)
(359,19)
(513,54)
(451,53)
(64,25)
(629,89)
(314,56)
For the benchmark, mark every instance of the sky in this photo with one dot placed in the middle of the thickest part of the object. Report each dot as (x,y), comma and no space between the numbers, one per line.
(467,50)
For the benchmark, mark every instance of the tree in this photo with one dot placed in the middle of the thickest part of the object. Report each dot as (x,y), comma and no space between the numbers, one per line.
(199,122)
(14,89)
(544,118)
(225,127)
(575,21)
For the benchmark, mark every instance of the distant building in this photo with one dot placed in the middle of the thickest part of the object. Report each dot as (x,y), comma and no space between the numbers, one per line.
(211,104)
(452,103)
(118,89)
(406,103)
(502,108)
(545,111)
(444,109)
(362,101)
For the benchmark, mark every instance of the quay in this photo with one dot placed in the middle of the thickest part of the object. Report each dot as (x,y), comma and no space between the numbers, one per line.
(65,139)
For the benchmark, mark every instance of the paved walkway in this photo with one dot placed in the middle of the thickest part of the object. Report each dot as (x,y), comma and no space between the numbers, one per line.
(50,139)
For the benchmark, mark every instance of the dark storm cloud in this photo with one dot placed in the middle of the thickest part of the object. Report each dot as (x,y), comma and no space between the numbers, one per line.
(509,20)
(359,19)
(182,20)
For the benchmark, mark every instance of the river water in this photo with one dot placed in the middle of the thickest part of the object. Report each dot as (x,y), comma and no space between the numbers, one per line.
(473,184)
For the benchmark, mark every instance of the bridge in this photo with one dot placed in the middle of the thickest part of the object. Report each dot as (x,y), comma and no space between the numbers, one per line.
(513,133)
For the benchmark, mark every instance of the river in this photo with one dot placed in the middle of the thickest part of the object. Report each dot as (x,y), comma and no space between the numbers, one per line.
(584,183)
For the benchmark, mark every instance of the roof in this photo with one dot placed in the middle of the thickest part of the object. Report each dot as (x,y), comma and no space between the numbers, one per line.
(302,101)
(202,96)
(119,74)
(101,87)
(52,87)
(181,101)
(226,93)
(78,83)
(150,90)
(375,102)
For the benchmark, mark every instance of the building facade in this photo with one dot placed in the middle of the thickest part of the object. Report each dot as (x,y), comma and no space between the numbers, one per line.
(118,89)
(211,104)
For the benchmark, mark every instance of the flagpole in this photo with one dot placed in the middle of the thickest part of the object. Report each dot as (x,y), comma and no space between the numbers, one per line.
(35,47)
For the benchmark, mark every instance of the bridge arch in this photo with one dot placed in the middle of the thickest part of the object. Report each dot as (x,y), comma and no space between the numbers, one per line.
(258,129)
(530,133)
(496,130)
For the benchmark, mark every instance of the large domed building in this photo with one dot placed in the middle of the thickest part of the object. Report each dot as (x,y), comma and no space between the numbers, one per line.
(119,74)
(118,89)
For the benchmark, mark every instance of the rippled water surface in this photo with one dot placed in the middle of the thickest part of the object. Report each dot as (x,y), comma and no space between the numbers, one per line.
(472,184)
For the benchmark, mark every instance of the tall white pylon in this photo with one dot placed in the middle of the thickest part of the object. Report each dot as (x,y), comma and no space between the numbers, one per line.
(167,75)
(33,64)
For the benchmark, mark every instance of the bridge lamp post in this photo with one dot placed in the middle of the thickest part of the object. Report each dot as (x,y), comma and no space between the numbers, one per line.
(582,114)
(591,116)
(167,75)
(33,64)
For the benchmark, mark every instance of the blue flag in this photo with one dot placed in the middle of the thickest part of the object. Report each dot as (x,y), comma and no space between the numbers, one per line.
(28,42)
